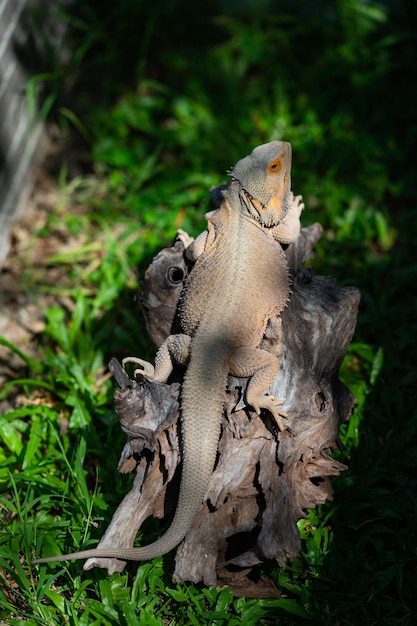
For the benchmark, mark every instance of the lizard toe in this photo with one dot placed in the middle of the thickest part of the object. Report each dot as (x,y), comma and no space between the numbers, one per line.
(145,369)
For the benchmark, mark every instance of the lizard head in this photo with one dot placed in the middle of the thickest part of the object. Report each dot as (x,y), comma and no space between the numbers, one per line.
(265,177)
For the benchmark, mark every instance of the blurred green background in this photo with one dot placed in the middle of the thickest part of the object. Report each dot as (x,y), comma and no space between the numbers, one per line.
(158,99)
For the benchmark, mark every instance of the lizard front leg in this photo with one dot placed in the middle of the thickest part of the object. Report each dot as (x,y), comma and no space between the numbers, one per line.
(262,367)
(184,237)
(288,229)
(197,246)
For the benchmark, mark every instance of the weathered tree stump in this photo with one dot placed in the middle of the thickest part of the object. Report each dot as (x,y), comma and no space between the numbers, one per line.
(263,479)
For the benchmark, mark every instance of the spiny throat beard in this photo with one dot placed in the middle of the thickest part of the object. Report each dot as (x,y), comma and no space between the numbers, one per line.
(263,215)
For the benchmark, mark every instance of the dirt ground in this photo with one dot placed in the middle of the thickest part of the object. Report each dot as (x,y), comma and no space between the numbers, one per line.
(26,270)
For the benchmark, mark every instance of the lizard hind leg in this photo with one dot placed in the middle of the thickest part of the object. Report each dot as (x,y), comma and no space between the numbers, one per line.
(176,348)
(145,368)
(262,367)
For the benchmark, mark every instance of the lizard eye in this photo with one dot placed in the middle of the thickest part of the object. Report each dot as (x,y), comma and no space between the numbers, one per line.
(275,166)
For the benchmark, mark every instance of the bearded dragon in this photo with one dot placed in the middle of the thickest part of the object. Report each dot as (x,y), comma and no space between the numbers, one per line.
(239,280)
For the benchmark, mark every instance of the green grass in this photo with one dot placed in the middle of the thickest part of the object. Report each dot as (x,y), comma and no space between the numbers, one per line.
(168,97)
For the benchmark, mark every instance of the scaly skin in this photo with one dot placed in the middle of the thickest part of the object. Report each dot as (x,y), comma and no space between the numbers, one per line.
(240,280)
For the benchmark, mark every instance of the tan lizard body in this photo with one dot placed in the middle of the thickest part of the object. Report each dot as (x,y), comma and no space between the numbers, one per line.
(240,280)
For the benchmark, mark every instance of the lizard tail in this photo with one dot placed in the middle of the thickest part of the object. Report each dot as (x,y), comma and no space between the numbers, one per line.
(203,393)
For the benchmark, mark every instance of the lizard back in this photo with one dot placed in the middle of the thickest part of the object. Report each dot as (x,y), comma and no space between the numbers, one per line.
(239,281)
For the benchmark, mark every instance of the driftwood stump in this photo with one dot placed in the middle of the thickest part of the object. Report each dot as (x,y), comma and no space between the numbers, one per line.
(263,479)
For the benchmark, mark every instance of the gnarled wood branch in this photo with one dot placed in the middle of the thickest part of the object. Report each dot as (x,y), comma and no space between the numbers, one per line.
(263,480)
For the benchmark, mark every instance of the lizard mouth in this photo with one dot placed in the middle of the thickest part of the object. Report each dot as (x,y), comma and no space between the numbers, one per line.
(258,210)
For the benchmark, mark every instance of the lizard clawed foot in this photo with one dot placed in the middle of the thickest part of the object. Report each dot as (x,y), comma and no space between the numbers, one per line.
(272,405)
(184,237)
(298,204)
(146,369)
